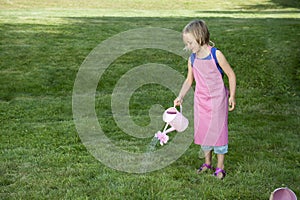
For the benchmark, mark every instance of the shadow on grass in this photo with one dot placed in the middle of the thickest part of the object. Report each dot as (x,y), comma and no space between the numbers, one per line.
(276,4)
(250,11)
(41,48)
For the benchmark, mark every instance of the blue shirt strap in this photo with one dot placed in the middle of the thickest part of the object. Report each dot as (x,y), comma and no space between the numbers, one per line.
(213,52)
(193,56)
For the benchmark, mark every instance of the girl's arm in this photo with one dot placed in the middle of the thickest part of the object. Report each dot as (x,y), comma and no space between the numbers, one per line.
(231,78)
(186,85)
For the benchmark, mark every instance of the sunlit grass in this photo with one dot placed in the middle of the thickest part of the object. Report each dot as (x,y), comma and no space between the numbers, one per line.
(144,5)
(53,11)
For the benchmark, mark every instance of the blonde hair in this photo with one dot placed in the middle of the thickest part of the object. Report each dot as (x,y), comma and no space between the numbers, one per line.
(199,30)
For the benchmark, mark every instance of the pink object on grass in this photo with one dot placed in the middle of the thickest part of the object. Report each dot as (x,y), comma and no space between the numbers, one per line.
(174,119)
(283,194)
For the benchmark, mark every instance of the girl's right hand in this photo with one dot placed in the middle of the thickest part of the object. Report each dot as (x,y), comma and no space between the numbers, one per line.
(178,101)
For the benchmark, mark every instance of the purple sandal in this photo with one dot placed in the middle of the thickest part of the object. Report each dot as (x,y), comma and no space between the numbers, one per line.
(202,167)
(219,170)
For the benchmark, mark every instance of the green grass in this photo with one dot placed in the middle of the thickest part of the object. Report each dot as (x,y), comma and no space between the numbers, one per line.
(152,4)
(42,48)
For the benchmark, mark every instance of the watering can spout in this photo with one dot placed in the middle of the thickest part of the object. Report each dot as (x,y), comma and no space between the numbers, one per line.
(169,130)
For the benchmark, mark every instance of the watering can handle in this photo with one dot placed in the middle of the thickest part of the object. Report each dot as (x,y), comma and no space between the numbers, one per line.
(180,108)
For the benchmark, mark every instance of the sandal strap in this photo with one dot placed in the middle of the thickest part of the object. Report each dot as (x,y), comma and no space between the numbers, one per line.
(219,170)
(205,165)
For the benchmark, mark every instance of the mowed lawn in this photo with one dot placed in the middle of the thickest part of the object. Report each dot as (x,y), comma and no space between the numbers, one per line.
(42,46)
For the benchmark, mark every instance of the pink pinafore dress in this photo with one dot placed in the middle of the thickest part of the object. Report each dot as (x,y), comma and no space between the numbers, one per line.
(210,104)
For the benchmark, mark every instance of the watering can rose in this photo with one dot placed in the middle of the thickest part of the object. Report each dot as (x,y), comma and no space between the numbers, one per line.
(162,137)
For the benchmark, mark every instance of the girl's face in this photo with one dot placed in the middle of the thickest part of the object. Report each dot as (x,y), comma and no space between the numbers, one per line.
(190,42)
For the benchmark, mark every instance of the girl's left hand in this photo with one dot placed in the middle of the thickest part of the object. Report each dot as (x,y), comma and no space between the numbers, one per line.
(231,102)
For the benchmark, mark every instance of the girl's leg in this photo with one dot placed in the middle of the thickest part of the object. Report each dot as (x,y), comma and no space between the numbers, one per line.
(207,150)
(221,158)
(208,157)
(221,151)
(207,165)
(220,164)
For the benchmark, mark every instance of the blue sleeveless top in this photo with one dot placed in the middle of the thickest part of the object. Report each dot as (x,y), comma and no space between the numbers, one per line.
(213,52)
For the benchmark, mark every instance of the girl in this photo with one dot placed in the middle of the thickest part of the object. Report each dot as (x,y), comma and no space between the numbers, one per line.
(210,97)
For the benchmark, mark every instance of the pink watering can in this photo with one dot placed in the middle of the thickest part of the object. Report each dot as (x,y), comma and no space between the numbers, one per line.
(176,120)
(283,194)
